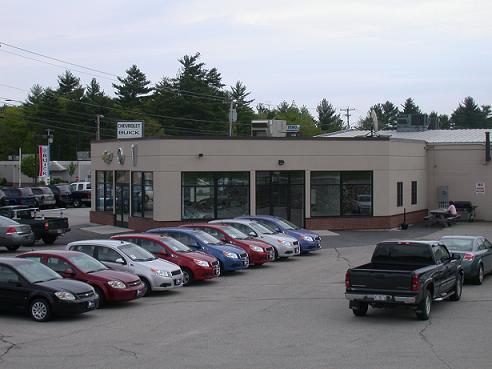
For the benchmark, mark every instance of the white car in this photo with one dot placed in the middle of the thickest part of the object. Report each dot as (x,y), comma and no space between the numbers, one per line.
(284,245)
(156,274)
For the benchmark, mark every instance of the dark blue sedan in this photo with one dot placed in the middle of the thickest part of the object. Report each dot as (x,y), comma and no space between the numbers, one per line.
(308,240)
(230,257)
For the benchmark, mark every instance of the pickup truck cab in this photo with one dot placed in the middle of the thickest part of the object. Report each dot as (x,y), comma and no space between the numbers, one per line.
(47,228)
(81,194)
(410,273)
(230,257)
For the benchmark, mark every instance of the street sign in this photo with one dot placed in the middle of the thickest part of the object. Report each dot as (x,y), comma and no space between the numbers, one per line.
(293,127)
(129,130)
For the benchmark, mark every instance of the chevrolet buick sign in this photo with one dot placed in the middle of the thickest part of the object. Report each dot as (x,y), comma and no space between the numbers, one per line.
(129,130)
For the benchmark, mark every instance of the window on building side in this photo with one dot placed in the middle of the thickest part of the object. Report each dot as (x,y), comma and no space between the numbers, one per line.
(104,190)
(142,194)
(399,194)
(414,192)
(341,193)
(207,195)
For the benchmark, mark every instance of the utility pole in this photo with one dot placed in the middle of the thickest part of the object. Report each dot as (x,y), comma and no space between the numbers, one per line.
(347,114)
(232,116)
(98,126)
(49,134)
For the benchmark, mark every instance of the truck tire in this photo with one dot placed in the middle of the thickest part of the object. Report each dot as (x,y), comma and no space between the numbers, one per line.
(458,289)
(49,239)
(77,204)
(13,247)
(424,308)
(361,310)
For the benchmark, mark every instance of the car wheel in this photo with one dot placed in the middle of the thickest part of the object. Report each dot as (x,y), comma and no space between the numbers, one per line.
(480,275)
(361,310)
(100,295)
(76,204)
(458,289)
(187,277)
(275,257)
(424,308)
(40,310)
(49,239)
(148,288)
(12,247)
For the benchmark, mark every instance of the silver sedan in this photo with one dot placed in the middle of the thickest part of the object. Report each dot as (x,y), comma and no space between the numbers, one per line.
(13,235)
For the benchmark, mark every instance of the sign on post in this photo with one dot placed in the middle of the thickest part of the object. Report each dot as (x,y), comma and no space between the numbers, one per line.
(129,129)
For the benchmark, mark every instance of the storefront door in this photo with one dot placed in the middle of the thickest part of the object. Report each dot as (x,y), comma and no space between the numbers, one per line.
(122,198)
(281,193)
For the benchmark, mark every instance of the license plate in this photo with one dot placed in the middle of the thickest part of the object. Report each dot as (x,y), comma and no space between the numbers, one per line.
(91,304)
(380,297)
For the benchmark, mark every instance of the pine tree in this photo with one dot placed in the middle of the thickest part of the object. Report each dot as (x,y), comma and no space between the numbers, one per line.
(328,119)
(133,87)
(469,115)
(409,107)
(69,85)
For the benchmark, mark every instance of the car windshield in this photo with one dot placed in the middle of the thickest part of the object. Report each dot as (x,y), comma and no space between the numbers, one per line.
(206,238)
(176,245)
(7,221)
(235,233)
(136,253)
(46,190)
(64,188)
(37,191)
(11,192)
(260,228)
(26,191)
(36,272)
(86,263)
(286,224)
(458,244)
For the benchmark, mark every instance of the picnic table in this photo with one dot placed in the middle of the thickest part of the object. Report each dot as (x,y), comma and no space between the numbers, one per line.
(441,217)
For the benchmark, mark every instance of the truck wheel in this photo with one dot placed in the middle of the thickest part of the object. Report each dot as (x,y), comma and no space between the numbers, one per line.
(424,308)
(49,239)
(457,289)
(76,204)
(361,310)
(40,310)
(187,277)
(12,247)
(480,275)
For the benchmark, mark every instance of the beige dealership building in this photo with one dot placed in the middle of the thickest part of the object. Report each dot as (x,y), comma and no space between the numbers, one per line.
(348,180)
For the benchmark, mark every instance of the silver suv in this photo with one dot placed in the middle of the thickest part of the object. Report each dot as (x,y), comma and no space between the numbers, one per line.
(156,274)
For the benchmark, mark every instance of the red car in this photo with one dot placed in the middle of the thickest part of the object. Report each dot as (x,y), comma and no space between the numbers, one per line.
(196,266)
(258,252)
(109,284)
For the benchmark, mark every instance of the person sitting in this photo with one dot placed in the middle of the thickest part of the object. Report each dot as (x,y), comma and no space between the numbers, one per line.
(452,209)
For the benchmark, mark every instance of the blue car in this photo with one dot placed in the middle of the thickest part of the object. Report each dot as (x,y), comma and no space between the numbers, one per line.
(230,257)
(308,240)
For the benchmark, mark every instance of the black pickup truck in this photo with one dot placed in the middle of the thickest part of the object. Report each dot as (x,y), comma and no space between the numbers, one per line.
(44,227)
(409,273)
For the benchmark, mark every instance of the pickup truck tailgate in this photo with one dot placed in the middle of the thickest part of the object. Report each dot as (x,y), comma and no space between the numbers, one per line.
(368,279)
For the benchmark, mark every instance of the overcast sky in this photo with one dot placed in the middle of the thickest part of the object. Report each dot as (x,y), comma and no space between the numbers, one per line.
(353,53)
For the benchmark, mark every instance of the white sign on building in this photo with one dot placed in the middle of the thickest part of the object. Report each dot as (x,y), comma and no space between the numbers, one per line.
(129,129)
(480,188)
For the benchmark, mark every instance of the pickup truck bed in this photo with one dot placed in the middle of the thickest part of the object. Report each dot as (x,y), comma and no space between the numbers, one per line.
(411,273)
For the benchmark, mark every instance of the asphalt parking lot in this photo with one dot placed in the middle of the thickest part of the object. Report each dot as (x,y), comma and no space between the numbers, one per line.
(289,314)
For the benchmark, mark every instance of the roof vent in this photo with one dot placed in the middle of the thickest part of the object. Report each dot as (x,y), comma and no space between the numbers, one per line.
(412,122)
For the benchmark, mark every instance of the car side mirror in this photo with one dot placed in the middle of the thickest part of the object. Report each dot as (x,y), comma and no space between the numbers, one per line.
(120,261)
(253,234)
(68,272)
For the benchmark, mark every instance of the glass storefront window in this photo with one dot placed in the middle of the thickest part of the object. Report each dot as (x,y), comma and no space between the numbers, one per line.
(104,190)
(142,194)
(341,193)
(214,195)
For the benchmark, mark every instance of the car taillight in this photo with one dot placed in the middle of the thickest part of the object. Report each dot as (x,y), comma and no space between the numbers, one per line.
(11,230)
(415,283)
(46,226)
(347,279)
(469,256)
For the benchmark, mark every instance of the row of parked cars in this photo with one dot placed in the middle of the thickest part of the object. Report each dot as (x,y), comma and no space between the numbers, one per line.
(416,273)
(92,272)
(75,194)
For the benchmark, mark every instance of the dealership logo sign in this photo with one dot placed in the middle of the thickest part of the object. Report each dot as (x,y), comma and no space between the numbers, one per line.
(44,161)
(129,130)
(120,156)
(107,157)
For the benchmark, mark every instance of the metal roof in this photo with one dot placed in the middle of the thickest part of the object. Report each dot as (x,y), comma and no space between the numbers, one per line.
(430,136)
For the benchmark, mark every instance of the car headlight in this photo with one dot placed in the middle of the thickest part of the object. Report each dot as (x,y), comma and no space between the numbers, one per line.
(285,243)
(257,248)
(202,263)
(230,255)
(160,273)
(116,284)
(308,238)
(65,296)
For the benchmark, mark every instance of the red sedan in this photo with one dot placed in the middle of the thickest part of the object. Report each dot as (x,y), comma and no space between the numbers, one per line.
(196,266)
(110,285)
(258,252)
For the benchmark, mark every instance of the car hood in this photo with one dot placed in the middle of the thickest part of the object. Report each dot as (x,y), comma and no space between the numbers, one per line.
(279,236)
(160,264)
(301,232)
(227,247)
(111,275)
(197,255)
(255,243)
(66,285)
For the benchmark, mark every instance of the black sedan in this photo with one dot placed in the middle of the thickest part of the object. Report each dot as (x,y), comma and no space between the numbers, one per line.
(30,286)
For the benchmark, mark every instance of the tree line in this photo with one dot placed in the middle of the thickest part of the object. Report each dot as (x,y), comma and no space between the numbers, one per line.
(193,102)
